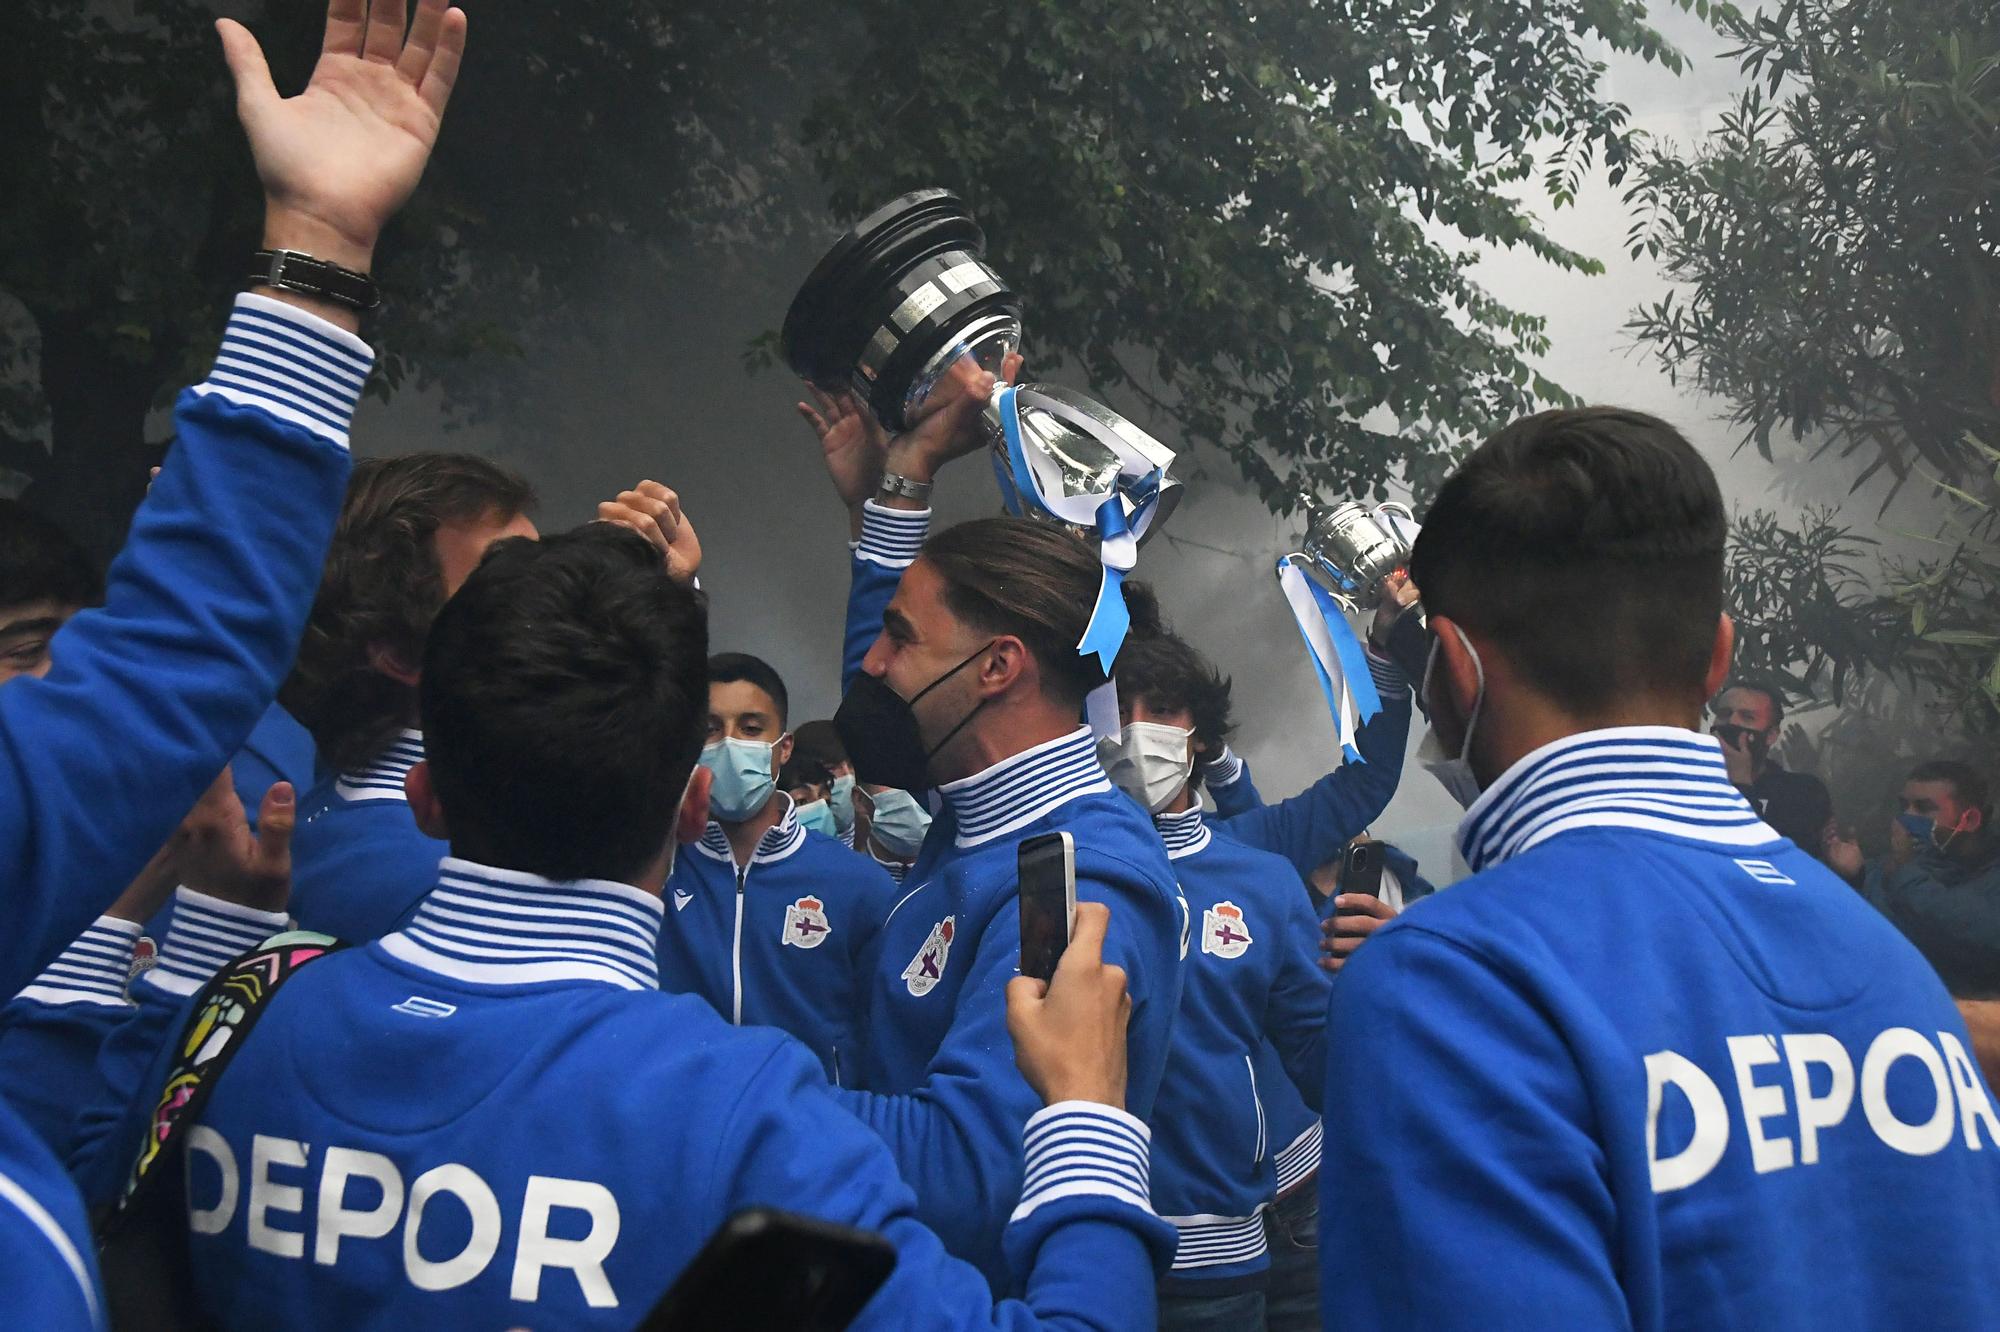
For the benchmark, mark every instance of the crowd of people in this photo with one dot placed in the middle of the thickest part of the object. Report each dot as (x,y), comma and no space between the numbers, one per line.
(586,944)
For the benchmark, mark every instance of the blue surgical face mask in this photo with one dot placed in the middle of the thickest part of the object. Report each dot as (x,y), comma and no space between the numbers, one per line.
(743,778)
(842,800)
(1453,772)
(816,815)
(899,823)
(1924,829)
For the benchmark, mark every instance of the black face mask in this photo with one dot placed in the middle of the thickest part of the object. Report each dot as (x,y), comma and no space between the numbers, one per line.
(878,727)
(1755,743)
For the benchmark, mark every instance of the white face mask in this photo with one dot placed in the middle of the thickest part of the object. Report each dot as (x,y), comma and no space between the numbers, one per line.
(1148,761)
(1453,773)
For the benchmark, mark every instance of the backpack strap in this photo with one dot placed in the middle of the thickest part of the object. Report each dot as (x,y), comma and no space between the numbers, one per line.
(221,1020)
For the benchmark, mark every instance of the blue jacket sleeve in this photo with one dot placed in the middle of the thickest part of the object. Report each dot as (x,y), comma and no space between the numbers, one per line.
(51,1032)
(890,540)
(1509,1226)
(957,1138)
(132,1059)
(1228,782)
(49,1277)
(1084,1233)
(150,695)
(1311,827)
(1295,1013)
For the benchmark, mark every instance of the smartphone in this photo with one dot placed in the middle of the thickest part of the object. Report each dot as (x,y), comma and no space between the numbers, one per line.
(767,1268)
(1048,901)
(1361,869)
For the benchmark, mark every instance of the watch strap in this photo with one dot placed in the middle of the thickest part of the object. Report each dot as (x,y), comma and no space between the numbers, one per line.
(291,270)
(904,488)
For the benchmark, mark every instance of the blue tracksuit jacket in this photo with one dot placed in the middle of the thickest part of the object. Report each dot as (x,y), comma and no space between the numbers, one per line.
(360,864)
(781,942)
(942,1089)
(150,695)
(1249,979)
(560,1137)
(1651,1066)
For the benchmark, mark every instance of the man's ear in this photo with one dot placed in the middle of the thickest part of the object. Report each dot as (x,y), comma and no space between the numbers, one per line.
(385,660)
(1971,820)
(781,753)
(1457,673)
(422,795)
(1005,663)
(693,820)
(1720,653)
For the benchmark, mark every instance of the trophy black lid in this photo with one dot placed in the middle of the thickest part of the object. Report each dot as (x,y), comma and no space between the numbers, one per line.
(821,334)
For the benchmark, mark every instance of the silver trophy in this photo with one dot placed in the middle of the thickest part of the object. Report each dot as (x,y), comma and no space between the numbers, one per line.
(905,300)
(1351,550)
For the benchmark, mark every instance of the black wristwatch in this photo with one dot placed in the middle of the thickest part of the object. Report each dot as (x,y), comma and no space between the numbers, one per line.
(290,270)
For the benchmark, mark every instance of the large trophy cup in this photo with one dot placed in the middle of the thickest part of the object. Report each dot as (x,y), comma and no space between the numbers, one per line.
(907,298)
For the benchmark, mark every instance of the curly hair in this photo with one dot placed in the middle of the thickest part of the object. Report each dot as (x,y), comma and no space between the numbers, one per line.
(381,588)
(1164,671)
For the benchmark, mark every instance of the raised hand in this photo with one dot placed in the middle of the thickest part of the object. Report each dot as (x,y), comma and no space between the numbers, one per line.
(1398,593)
(852,444)
(654,512)
(340,158)
(949,426)
(221,857)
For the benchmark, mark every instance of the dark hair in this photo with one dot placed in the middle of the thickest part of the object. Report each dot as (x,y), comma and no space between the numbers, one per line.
(728,667)
(381,588)
(1164,671)
(1034,580)
(1587,544)
(39,562)
(799,771)
(564,697)
(1772,694)
(818,741)
(1968,787)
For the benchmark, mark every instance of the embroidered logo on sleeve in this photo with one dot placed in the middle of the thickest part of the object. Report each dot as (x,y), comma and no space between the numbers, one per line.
(927,967)
(1224,931)
(681,898)
(805,923)
(1763,871)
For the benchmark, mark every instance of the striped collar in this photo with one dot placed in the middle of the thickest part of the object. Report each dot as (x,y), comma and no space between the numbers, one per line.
(1658,779)
(502,927)
(1016,791)
(1184,834)
(382,780)
(780,840)
(895,869)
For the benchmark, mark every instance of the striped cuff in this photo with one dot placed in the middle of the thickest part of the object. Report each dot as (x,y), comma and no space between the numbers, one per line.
(1386,673)
(93,970)
(206,935)
(891,537)
(1299,1159)
(1081,1147)
(1217,1241)
(1224,769)
(296,366)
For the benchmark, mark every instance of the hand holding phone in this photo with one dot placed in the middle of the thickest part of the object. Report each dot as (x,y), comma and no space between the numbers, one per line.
(1047,901)
(1361,868)
(1069,1035)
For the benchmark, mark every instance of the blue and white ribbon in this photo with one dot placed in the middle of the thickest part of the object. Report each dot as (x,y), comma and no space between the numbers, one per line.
(1337,655)
(1120,513)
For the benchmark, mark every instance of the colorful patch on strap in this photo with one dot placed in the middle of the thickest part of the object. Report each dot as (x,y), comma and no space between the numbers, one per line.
(223,1015)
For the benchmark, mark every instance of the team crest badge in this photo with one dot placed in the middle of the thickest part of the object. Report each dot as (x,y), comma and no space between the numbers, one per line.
(805,923)
(927,967)
(145,956)
(1223,930)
